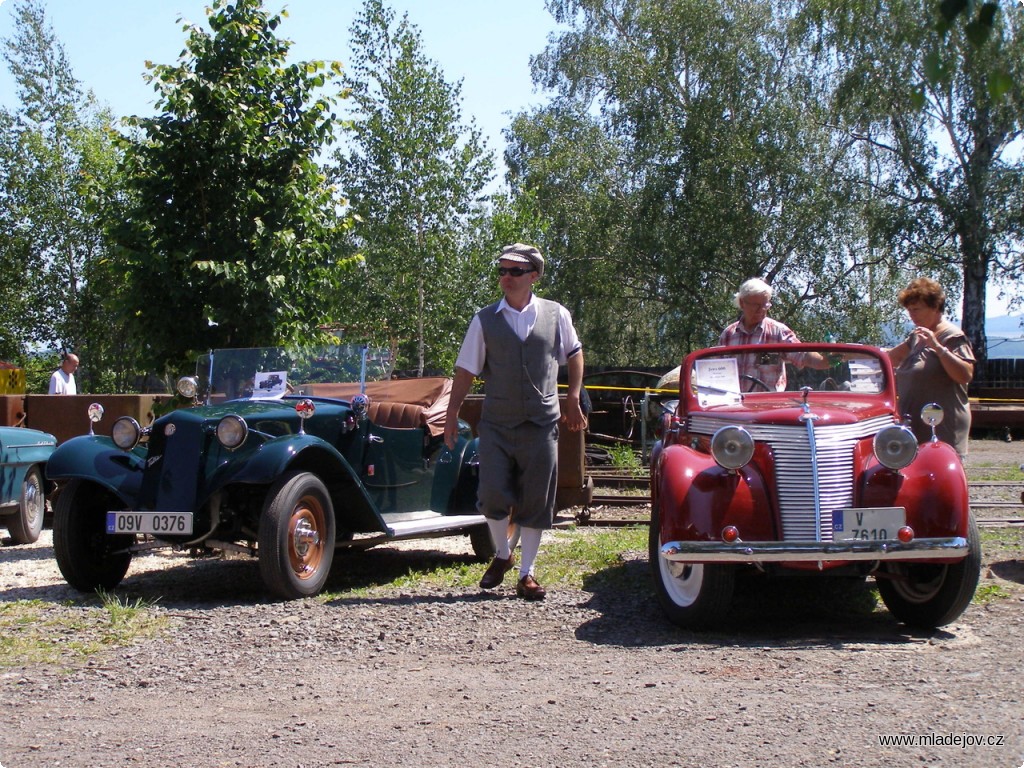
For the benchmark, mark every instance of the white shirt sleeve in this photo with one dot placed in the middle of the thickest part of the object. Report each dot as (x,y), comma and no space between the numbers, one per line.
(567,332)
(472,353)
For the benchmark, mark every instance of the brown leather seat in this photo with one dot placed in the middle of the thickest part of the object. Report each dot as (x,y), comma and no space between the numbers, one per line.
(398,415)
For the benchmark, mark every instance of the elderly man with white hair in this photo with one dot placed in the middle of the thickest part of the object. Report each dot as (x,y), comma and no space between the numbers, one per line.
(754,299)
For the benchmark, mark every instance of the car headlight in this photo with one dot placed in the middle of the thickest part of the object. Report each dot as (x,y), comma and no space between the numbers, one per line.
(126,433)
(732,447)
(895,447)
(232,431)
(187,387)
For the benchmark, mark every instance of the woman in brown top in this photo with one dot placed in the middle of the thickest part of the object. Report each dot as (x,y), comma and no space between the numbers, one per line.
(933,364)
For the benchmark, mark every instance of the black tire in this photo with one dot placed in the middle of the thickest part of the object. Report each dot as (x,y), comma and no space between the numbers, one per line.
(296,537)
(482,543)
(926,595)
(88,557)
(692,595)
(27,523)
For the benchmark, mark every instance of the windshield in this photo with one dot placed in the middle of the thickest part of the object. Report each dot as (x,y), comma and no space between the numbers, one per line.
(269,372)
(730,374)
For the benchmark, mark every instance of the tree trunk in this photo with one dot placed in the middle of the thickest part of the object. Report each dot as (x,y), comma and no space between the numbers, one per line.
(975,279)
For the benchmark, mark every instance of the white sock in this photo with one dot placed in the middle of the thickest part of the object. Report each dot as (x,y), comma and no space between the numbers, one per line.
(529,544)
(499,535)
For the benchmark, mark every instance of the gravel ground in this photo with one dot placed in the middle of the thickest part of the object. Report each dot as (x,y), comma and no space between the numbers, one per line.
(589,677)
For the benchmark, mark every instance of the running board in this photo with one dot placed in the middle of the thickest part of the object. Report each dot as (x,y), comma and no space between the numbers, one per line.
(427,528)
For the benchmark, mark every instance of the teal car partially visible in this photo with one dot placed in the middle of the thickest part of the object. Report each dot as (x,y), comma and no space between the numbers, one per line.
(23,457)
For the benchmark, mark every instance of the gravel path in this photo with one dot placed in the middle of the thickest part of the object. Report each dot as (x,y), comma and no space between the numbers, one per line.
(588,677)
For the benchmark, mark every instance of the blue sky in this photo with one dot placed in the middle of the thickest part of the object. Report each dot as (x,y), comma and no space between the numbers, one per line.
(486,44)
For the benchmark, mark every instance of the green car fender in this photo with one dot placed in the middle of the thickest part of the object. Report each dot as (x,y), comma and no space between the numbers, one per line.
(353,506)
(98,460)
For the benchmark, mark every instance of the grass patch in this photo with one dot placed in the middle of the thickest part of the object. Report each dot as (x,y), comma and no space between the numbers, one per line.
(994,473)
(38,632)
(979,470)
(575,555)
(624,457)
(1002,537)
(989,592)
(565,560)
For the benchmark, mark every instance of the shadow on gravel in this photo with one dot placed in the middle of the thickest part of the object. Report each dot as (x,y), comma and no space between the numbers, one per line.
(208,582)
(11,554)
(1011,570)
(796,612)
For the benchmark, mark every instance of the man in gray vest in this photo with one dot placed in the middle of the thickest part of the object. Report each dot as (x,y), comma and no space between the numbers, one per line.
(516,346)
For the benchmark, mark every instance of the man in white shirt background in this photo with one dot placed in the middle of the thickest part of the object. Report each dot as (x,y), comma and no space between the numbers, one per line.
(62,382)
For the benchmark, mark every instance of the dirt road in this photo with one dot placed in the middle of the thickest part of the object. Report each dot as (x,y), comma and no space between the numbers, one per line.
(586,678)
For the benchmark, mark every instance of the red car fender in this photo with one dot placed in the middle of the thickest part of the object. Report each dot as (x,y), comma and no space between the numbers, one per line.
(932,488)
(696,498)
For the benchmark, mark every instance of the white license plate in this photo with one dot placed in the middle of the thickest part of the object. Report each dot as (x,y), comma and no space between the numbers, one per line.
(157,523)
(868,524)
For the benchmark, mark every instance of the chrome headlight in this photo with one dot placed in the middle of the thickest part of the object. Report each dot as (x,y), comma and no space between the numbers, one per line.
(126,433)
(187,387)
(895,447)
(732,447)
(232,431)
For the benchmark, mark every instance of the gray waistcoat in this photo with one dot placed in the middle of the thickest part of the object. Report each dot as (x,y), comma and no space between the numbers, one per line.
(521,376)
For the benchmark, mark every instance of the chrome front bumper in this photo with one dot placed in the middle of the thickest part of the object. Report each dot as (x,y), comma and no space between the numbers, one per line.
(812,551)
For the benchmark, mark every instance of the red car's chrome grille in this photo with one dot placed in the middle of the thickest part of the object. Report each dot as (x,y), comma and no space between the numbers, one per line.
(794,477)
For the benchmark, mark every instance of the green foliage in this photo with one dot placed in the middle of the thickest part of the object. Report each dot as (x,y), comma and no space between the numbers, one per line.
(690,145)
(415,176)
(918,103)
(686,150)
(228,234)
(55,152)
(624,457)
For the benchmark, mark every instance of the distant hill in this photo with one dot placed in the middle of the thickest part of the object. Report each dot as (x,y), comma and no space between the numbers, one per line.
(1005,337)
(1004,325)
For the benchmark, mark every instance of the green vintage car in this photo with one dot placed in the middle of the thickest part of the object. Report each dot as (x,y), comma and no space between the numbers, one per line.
(285,455)
(23,457)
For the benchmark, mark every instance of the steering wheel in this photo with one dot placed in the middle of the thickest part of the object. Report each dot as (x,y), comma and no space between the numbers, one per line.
(829,385)
(756,381)
(630,417)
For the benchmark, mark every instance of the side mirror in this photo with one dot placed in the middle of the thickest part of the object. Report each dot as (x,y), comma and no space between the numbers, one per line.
(932,415)
(95,414)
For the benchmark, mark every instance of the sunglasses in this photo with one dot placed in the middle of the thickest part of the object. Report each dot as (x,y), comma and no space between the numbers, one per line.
(514,271)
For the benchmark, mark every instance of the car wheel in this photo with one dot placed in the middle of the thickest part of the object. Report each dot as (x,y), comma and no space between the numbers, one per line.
(929,595)
(26,525)
(692,595)
(88,557)
(296,537)
(483,545)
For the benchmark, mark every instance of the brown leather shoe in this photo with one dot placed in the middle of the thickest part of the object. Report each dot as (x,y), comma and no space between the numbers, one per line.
(529,589)
(496,571)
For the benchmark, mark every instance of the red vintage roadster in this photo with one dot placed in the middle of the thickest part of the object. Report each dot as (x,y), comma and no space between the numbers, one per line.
(820,475)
